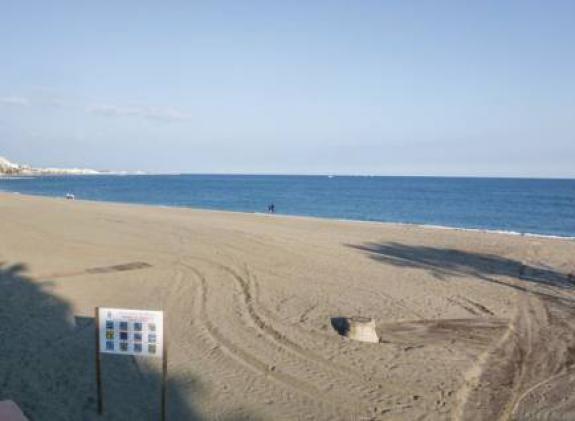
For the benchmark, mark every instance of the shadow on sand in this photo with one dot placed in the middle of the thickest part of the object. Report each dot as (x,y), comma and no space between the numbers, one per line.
(447,263)
(47,362)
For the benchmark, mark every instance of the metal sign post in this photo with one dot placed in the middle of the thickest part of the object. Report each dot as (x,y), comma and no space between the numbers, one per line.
(131,332)
(164,377)
(98,375)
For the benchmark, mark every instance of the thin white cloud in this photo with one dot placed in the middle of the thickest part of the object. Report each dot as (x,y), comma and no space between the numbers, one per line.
(15,100)
(147,112)
(153,113)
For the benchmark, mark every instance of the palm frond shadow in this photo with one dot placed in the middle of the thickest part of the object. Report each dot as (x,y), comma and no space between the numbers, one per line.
(446,263)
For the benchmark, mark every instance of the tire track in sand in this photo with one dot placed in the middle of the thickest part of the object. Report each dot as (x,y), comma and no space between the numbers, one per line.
(332,408)
(319,397)
(363,392)
(535,351)
(364,388)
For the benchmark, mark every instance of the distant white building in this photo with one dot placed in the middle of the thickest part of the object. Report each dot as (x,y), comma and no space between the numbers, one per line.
(7,167)
(10,168)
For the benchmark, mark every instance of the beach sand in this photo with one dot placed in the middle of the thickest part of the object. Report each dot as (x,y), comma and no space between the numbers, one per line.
(472,325)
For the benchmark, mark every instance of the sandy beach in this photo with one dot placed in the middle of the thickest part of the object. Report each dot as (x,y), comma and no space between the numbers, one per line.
(472,325)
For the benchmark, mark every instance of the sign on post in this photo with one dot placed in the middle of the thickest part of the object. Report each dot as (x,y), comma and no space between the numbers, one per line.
(130,332)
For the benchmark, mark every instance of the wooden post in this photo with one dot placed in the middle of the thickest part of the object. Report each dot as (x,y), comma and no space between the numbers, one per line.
(98,375)
(164,371)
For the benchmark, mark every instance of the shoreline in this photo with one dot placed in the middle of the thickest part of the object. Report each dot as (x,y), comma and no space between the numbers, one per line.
(315,218)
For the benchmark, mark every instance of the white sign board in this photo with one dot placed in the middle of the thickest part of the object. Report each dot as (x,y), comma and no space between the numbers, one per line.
(131,332)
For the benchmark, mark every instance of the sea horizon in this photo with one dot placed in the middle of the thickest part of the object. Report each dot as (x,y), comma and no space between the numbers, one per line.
(279,174)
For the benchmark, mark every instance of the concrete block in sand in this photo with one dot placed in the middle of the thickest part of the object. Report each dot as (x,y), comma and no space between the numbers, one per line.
(357,328)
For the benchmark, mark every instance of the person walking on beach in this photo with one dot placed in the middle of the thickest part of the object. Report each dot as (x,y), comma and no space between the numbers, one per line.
(271,208)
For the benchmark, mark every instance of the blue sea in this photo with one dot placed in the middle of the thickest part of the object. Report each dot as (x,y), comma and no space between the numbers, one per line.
(528,206)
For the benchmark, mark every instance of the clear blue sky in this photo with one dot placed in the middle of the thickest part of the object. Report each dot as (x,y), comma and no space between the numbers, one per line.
(482,88)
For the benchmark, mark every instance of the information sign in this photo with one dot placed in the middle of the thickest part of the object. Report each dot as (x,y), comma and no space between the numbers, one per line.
(131,332)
